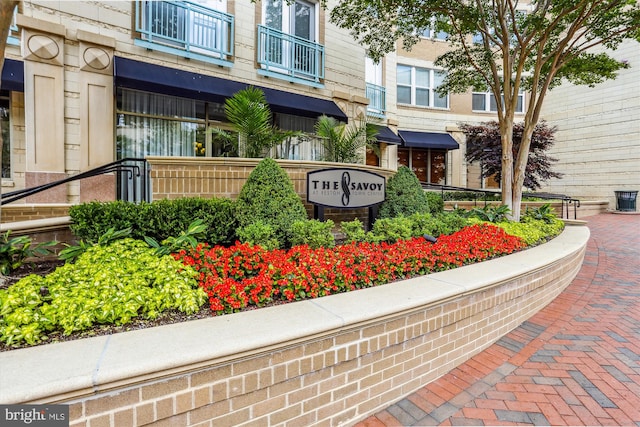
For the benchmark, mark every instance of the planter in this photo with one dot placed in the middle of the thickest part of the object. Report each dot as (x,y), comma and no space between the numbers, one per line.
(332,360)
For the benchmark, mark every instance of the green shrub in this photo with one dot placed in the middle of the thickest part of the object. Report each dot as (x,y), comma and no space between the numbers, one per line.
(259,233)
(490,213)
(71,252)
(471,195)
(89,221)
(106,285)
(533,232)
(544,213)
(436,204)
(268,196)
(436,225)
(390,230)
(404,195)
(187,239)
(316,234)
(353,231)
(159,220)
(15,251)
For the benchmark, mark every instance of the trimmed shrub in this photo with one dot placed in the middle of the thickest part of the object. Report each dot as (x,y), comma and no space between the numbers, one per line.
(159,220)
(353,231)
(390,230)
(260,234)
(436,204)
(404,195)
(316,234)
(268,196)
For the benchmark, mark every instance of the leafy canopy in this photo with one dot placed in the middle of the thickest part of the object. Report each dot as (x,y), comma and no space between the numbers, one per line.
(505,47)
(484,145)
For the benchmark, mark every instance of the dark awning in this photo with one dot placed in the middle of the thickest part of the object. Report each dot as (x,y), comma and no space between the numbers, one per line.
(386,135)
(428,140)
(170,81)
(12,75)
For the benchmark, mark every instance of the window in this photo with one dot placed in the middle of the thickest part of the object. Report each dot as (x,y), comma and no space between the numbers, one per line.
(375,89)
(417,86)
(151,124)
(5,124)
(287,41)
(297,18)
(431,33)
(486,102)
(429,165)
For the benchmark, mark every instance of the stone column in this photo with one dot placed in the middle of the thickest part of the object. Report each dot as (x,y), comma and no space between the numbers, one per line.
(43,53)
(96,113)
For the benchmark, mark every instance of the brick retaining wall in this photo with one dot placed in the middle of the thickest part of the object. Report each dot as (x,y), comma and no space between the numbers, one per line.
(329,361)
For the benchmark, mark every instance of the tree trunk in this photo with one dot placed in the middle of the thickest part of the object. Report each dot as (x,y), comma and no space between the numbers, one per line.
(521,168)
(506,182)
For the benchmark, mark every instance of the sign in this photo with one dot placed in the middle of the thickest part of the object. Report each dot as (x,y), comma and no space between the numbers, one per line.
(345,188)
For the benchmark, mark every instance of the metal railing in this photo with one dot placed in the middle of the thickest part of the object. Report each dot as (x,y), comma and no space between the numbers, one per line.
(377,96)
(132,181)
(283,53)
(566,201)
(186,26)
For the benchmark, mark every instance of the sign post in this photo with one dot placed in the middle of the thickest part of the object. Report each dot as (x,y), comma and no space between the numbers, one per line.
(345,188)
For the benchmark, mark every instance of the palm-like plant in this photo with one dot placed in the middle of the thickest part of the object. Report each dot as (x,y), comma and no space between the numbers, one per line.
(251,119)
(342,143)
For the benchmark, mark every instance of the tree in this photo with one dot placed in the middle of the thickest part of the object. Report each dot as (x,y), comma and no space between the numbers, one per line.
(344,144)
(505,47)
(484,145)
(253,130)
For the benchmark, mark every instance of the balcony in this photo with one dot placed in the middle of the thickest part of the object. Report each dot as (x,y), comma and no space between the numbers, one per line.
(186,29)
(289,57)
(377,96)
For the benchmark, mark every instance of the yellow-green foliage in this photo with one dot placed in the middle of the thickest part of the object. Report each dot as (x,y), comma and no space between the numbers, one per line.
(533,231)
(106,285)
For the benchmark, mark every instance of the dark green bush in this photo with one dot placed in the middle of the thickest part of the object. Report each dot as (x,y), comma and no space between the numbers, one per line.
(90,221)
(159,220)
(436,204)
(471,195)
(316,234)
(404,195)
(268,196)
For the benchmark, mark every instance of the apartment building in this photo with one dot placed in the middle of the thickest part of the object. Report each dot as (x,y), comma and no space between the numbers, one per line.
(87,83)
(598,137)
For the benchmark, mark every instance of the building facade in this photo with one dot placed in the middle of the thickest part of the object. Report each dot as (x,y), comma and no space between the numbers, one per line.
(598,137)
(88,83)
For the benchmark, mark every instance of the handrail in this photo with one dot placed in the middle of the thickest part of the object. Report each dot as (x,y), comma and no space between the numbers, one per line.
(289,54)
(377,100)
(566,200)
(139,169)
(186,26)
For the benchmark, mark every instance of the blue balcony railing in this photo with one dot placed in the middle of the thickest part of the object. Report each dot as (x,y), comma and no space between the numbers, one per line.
(377,100)
(13,37)
(186,29)
(295,58)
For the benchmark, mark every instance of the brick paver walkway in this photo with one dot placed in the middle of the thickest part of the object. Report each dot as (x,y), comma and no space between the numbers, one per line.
(576,362)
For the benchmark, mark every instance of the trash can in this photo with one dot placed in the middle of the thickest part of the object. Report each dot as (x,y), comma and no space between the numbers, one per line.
(626,201)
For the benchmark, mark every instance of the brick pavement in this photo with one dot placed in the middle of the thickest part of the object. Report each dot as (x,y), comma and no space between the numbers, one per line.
(576,362)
